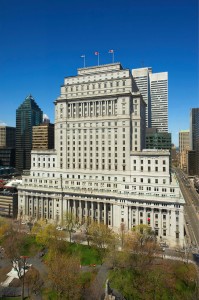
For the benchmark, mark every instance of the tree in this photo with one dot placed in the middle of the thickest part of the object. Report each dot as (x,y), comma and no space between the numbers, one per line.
(122,233)
(46,234)
(33,281)
(86,225)
(64,273)
(20,265)
(12,244)
(5,227)
(143,246)
(70,221)
(101,237)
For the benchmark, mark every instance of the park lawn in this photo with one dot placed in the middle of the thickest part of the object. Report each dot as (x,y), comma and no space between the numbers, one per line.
(12,298)
(49,294)
(88,255)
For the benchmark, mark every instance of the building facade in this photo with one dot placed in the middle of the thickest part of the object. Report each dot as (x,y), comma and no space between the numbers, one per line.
(7,136)
(184,146)
(99,167)
(154,90)
(159,101)
(194,136)
(43,136)
(27,115)
(9,203)
(158,140)
(141,77)
(7,146)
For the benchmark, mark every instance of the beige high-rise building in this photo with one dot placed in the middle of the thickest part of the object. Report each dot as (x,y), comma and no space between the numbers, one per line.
(99,167)
(184,146)
(43,136)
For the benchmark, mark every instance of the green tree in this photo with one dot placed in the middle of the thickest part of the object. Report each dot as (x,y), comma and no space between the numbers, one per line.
(46,234)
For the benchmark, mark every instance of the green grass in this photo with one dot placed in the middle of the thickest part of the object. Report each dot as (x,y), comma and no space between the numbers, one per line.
(12,298)
(49,294)
(87,254)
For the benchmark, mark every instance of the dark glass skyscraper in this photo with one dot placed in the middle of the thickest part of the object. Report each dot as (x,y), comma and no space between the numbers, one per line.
(194,136)
(27,115)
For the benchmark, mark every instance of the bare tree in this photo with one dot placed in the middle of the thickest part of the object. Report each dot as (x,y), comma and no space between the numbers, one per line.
(102,237)
(64,273)
(33,281)
(70,221)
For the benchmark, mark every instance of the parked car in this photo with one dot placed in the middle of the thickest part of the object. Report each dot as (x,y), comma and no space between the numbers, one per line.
(59,228)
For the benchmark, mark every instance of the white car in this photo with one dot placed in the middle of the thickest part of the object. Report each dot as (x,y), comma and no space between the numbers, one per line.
(59,228)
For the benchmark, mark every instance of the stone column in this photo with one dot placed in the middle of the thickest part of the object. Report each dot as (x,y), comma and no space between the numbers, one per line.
(92,211)
(42,208)
(86,209)
(74,207)
(104,213)
(98,212)
(80,211)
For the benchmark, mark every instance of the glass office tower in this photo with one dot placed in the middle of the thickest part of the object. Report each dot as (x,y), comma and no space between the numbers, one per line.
(27,115)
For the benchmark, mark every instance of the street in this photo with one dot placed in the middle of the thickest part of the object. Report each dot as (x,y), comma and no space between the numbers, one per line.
(191,208)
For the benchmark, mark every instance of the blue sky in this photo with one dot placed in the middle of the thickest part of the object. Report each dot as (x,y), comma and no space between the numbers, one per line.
(41,42)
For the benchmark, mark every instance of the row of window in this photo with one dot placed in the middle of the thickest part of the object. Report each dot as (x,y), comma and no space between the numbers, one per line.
(84,87)
(149,161)
(149,169)
(96,124)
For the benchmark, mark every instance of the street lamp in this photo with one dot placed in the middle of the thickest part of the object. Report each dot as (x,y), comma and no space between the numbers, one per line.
(23,260)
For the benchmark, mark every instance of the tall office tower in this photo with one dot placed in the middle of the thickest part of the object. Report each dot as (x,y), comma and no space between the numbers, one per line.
(184,140)
(98,168)
(141,77)
(43,136)
(27,115)
(7,145)
(194,136)
(154,90)
(159,101)
(184,148)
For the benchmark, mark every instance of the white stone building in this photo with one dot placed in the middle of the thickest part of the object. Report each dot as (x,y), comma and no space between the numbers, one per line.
(98,167)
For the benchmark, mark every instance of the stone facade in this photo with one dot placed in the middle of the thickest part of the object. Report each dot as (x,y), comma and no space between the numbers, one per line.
(99,168)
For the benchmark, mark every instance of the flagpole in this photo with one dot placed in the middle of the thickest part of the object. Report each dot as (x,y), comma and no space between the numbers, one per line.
(98,58)
(112,52)
(84,61)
